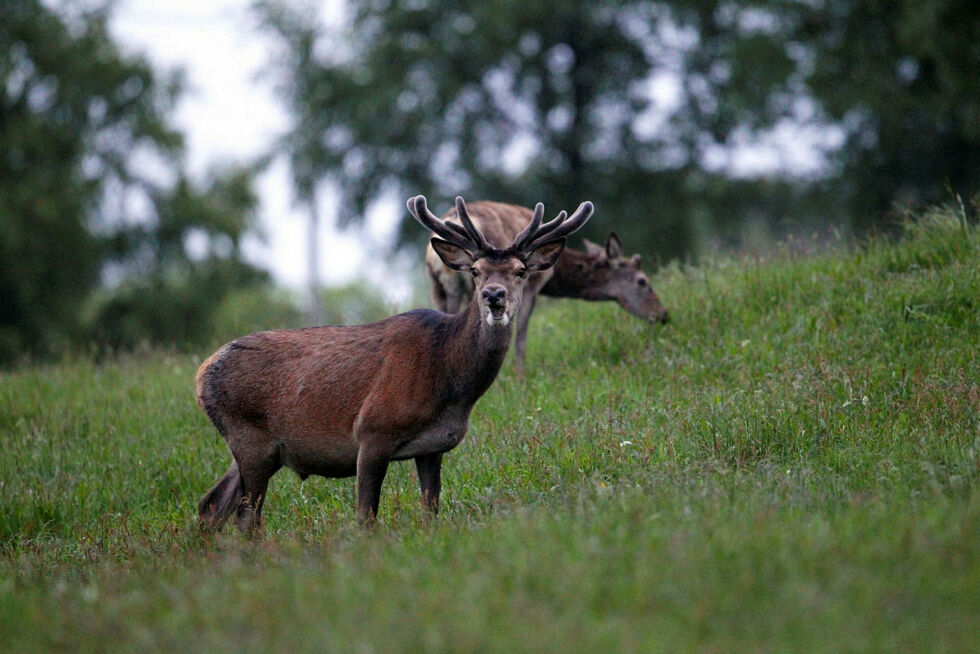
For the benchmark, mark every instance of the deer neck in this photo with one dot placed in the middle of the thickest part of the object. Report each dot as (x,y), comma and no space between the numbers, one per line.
(575,277)
(475,352)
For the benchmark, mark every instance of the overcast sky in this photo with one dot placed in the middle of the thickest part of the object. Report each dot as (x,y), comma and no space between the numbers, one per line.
(230,113)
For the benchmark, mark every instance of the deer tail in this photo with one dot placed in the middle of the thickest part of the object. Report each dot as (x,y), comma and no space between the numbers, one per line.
(222,500)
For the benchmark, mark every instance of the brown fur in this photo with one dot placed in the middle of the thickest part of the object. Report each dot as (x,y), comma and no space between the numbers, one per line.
(343,401)
(601,273)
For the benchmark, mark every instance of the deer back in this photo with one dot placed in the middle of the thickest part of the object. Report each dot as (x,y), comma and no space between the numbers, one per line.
(322,382)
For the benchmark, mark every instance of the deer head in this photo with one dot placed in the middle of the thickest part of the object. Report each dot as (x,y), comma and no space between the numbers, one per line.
(621,278)
(499,274)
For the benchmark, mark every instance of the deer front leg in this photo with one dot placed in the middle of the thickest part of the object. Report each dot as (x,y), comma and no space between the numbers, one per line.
(429,468)
(372,466)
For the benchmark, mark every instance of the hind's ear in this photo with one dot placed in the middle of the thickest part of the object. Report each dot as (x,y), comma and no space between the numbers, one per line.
(452,255)
(614,248)
(594,249)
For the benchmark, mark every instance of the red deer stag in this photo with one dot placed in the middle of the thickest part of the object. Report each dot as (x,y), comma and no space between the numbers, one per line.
(599,273)
(345,401)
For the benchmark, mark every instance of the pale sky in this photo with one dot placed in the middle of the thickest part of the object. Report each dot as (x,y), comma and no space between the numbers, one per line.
(231,113)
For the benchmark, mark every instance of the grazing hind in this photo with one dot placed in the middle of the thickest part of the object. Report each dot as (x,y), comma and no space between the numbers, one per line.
(599,273)
(346,401)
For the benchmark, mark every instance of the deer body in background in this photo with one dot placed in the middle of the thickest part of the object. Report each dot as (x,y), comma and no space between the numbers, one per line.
(346,401)
(599,273)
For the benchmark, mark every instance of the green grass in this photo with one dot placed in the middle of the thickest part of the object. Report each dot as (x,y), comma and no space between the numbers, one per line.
(791,465)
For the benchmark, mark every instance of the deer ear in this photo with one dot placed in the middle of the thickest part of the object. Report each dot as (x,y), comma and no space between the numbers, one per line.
(545,256)
(452,255)
(614,249)
(594,249)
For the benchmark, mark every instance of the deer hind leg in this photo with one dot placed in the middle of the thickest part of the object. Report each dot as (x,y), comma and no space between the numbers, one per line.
(429,468)
(450,290)
(437,288)
(520,335)
(258,458)
(372,466)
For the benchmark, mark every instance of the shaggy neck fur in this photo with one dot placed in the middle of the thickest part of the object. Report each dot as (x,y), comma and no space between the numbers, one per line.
(476,350)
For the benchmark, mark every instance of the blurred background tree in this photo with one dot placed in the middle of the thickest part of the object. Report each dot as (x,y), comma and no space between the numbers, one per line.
(902,77)
(557,100)
(102,236)
(176,270)
(521,101)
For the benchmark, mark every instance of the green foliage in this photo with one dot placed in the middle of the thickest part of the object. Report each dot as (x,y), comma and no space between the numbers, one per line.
(181,309)
(898,77)
(518,102)
(903,75)
(172,295)
(83,127)
(792,464)
(527,101)
(72,109)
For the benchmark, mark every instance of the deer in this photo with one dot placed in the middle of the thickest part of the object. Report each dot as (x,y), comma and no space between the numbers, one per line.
(343,401)
(597,274)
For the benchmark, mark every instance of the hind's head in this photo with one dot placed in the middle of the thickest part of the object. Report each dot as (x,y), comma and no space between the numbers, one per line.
(621,278)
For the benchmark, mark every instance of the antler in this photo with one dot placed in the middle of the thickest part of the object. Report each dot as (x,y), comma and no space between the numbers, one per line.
(470,228)
(451,232)
(468,237)
(536,234)
(522,239)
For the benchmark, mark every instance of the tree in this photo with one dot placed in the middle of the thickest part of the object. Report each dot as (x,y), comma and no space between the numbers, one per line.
(170,290)
(515,101)
(71,108)
(91,184)
(902,76)
(897,77)
(521,101)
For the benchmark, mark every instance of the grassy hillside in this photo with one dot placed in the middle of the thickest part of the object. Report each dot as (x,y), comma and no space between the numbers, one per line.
(791,465)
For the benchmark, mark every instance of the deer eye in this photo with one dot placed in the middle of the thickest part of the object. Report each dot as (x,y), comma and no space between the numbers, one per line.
(641,281)
(474,272)
(522,273)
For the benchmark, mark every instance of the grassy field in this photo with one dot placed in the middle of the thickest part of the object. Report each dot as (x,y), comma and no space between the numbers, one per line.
(791,465)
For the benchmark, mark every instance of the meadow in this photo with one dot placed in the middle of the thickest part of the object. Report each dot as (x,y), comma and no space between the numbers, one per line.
(791,464)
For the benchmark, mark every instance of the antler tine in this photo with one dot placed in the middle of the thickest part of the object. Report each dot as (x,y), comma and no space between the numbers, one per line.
(420,211)
(560,227)
(521,243)
(521,240)
(551,225)
(471,229)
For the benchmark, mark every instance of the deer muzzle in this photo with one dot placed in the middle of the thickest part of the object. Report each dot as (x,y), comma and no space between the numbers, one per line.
(495,298)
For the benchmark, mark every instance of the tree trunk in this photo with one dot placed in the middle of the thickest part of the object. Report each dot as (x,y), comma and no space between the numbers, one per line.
(315,316)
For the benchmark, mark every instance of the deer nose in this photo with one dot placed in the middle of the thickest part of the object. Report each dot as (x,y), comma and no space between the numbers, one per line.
(494,294)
